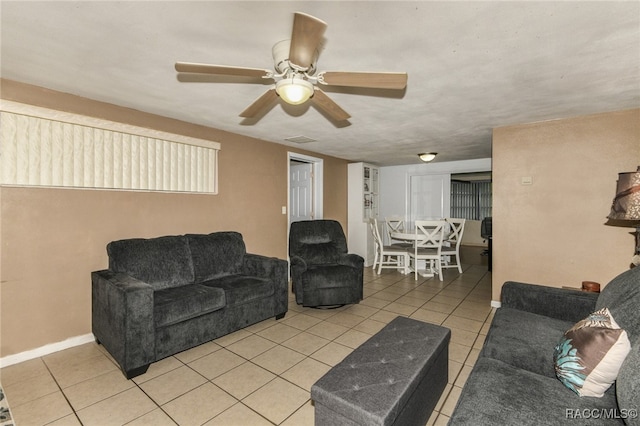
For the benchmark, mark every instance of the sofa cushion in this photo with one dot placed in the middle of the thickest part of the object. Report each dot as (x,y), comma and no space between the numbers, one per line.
(173,305)
(241,289)
(628,386)
(216,254)
(497,393)
(162,262)
(524,340)
(589,355)
(621,296)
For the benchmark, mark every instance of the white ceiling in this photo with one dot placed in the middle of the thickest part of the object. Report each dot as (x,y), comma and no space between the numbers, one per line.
(472,66)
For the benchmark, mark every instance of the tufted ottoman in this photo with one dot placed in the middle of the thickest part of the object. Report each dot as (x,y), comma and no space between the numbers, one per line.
(394,378)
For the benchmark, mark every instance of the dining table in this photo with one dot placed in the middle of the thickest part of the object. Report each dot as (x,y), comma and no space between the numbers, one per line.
(411,238)
(404,236)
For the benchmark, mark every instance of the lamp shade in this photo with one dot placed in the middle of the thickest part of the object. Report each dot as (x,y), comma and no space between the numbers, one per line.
(294,91)
(626,204)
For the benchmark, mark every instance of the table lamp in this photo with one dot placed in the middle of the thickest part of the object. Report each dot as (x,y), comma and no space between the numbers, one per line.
(625,208)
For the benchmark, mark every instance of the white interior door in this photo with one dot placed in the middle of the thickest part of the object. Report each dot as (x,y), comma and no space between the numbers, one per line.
(301,192)
(427,197)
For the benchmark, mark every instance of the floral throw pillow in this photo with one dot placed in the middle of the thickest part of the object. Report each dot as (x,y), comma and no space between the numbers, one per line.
(589,355)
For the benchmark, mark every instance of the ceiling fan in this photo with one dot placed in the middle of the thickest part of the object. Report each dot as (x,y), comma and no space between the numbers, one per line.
(295,68)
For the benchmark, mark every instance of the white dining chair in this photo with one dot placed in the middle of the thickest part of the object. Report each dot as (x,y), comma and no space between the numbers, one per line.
(428,245)
(386,257)
(454,239)
(395,224)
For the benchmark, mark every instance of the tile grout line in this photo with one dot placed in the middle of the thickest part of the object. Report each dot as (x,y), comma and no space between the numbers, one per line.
(64,395)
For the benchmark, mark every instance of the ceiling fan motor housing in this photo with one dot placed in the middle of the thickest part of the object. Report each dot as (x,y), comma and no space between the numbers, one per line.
(280,52)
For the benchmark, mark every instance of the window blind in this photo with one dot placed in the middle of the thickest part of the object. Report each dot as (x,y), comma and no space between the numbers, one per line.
(470,200)
(67,152)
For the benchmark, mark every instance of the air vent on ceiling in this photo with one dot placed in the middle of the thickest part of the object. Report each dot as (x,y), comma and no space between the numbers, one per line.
(299,139)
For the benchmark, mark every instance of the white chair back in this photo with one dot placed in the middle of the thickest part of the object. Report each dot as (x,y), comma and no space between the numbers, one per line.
(386,257)
(394,224)
(453,241)
(456,230)
(373,226)
(429,234)
(428,246)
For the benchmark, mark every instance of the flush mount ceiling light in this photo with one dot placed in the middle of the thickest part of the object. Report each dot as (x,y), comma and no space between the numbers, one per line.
(294,90)
(427,156)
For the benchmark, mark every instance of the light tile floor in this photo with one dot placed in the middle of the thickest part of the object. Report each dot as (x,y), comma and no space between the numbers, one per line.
(261,375)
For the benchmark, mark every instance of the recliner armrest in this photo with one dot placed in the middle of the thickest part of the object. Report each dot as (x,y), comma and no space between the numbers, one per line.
(560,303)
(351,259)
(122,318)
(297,264)
(275,270)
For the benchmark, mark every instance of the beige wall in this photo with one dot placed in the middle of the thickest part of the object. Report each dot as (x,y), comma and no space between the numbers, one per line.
(51,239)
(553,232)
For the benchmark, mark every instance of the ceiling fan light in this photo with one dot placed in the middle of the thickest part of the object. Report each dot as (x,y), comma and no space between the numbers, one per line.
(427,156)
(294,91)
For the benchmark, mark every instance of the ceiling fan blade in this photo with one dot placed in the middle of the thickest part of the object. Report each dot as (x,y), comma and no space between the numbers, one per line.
(260,104)
(374,80)
(305,39)
(221,70)
(325,103)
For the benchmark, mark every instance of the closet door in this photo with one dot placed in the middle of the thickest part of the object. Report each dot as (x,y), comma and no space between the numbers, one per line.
(300,192)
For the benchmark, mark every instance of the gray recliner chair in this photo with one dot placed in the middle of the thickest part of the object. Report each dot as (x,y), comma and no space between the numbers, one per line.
(323,273)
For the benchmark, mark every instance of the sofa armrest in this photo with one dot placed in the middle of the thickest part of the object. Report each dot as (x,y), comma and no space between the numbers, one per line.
(274,269)
(559,303)
(122,319)
(351,259)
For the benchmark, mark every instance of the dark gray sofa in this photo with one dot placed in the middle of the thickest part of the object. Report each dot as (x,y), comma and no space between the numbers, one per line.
(163,295)
(513,381)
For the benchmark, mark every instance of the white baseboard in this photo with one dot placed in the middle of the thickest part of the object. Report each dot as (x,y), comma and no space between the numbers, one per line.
(495,304)
(46,350)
